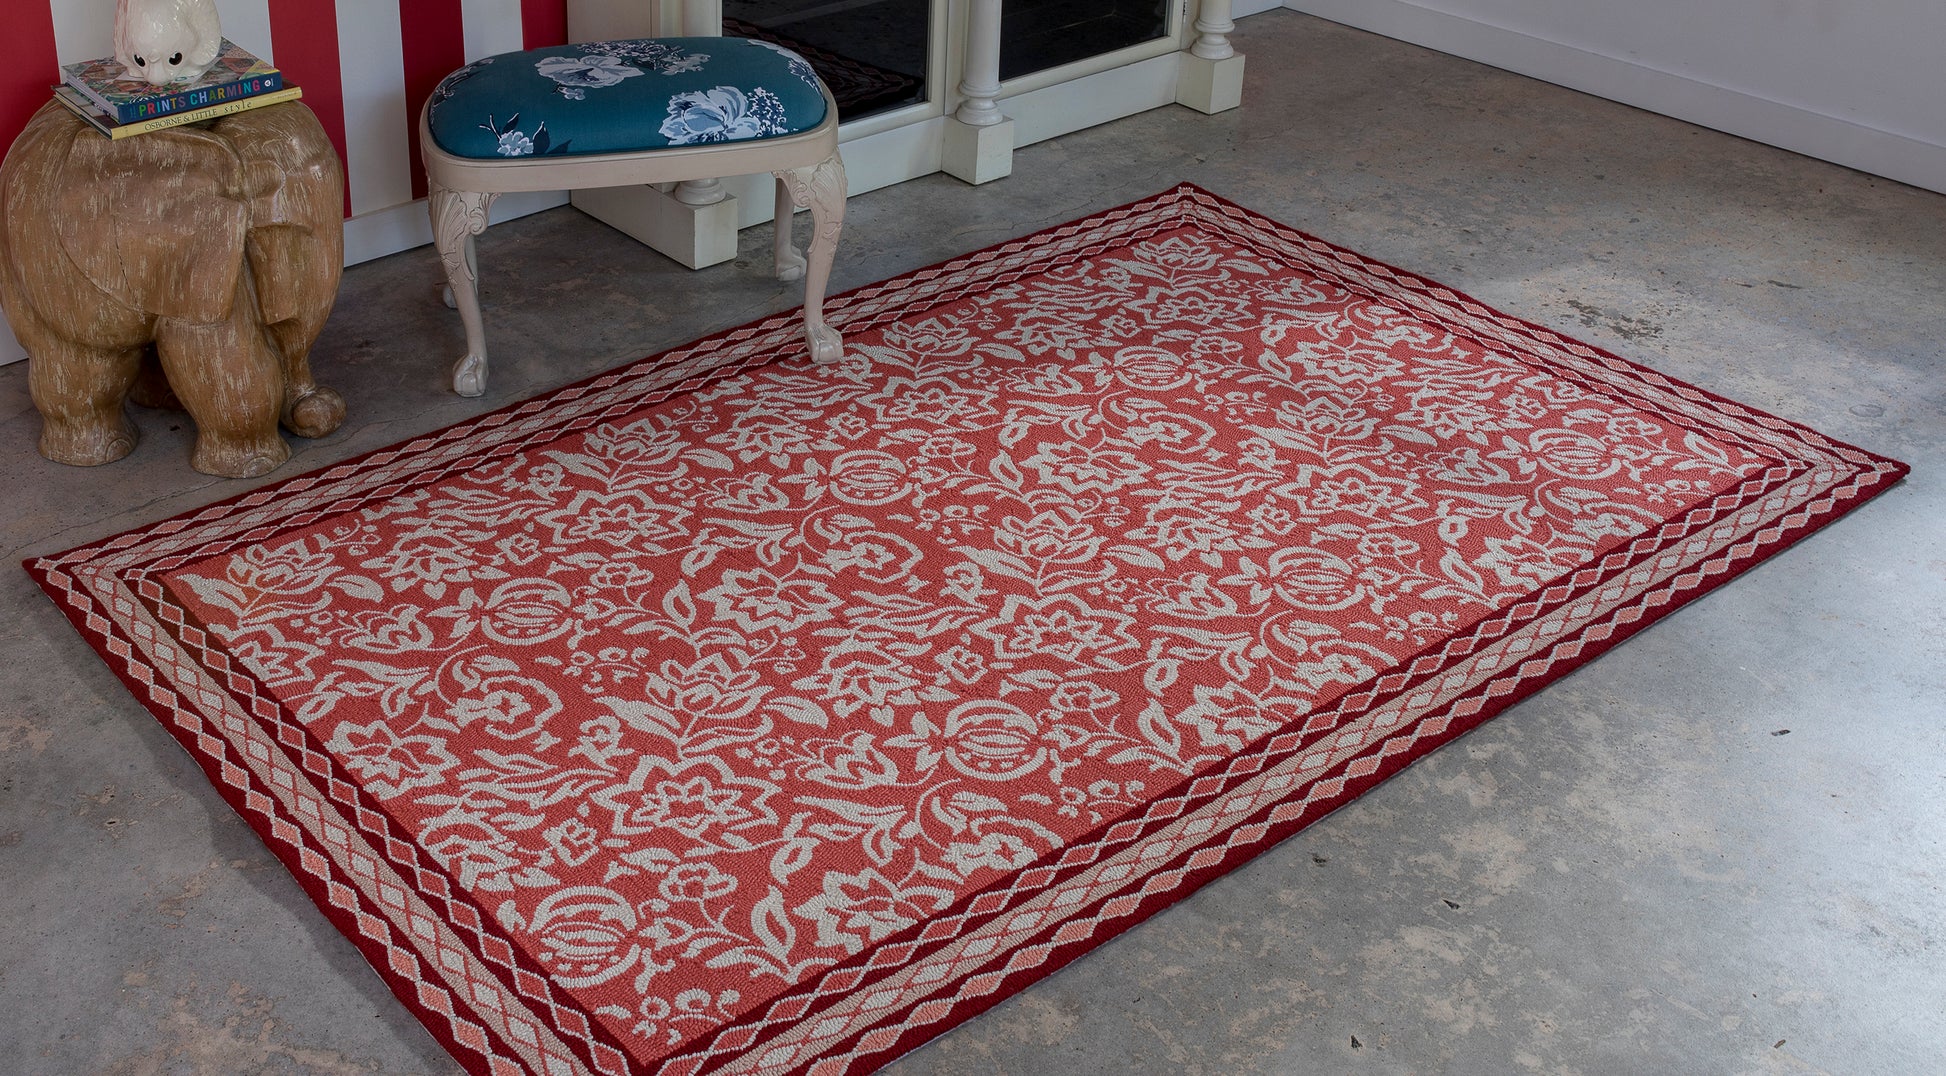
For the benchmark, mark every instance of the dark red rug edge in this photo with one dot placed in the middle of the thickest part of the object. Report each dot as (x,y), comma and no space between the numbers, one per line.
(1536,328)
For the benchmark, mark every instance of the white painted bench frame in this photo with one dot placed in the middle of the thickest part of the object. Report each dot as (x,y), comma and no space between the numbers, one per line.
(807,166)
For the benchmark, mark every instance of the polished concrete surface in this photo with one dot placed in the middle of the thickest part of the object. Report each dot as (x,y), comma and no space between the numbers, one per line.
(1637,871)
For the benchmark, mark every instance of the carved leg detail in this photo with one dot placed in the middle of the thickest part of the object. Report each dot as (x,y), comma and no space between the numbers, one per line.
(822,187)
(790,263)
(458,216)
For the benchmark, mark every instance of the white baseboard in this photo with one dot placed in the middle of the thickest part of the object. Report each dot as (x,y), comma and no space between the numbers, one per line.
(402,227)
(1053,111)
(1801,130)
(1240,8)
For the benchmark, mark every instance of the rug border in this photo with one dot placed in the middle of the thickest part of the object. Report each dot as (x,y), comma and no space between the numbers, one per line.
(1867,483)
(1554,338)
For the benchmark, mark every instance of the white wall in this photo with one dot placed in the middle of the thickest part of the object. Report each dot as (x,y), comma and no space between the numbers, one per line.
(1858,82)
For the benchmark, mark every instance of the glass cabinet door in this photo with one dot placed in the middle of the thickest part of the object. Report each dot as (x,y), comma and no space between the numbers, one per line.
(871,53)
(1037,35)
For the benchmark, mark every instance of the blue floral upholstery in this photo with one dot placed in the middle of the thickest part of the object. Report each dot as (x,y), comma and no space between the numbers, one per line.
(624,96)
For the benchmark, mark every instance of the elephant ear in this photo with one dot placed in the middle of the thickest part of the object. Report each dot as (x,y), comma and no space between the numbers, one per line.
(157,220)
(288,262)
(295,188)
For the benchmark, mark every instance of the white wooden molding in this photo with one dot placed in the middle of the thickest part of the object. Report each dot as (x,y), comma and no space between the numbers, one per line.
(691,234)
(979,140)
(402,227)
(1211,79)
(1052,111)
(977,154)
(1777,123)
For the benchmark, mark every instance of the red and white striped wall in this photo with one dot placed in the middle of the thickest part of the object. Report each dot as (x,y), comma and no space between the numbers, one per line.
(365,66)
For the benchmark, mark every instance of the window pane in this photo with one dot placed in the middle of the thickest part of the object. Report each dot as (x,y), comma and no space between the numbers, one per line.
(1038,34)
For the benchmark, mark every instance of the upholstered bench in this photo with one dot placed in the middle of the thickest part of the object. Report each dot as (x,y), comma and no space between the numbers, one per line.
(618,113)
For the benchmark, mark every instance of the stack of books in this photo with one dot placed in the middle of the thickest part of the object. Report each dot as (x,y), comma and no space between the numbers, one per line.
(119,107)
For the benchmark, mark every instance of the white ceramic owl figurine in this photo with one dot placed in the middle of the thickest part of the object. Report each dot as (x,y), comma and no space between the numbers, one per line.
(165,41)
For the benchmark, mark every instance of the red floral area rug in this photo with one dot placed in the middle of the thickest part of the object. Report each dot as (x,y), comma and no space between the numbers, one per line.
(729,713)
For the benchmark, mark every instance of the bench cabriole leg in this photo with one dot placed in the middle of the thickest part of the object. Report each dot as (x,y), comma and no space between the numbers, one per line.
(458,216)
(790,262)
(822,187)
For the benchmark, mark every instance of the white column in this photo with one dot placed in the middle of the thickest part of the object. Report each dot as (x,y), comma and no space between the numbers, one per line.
(702,18)
(1211,79)
(1214,26)
(979,140)
(980,83)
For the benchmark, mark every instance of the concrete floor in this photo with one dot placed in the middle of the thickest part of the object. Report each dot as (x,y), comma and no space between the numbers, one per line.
(1637,871)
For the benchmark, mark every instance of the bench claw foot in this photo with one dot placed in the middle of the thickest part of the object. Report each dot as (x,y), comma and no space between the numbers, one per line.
(826,344)
(469,375)
(458,216)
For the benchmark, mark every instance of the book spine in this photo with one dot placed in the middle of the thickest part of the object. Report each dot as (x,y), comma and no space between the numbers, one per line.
(242,104)
(93,119)
(80,85)
(164,106)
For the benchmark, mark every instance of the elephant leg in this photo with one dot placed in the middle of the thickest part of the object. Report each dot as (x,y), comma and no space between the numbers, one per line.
(79,392)
(822,187)
(232,384)
(458,216)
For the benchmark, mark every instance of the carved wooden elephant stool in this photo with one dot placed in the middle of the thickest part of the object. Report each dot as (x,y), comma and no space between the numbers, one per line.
(193,266)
